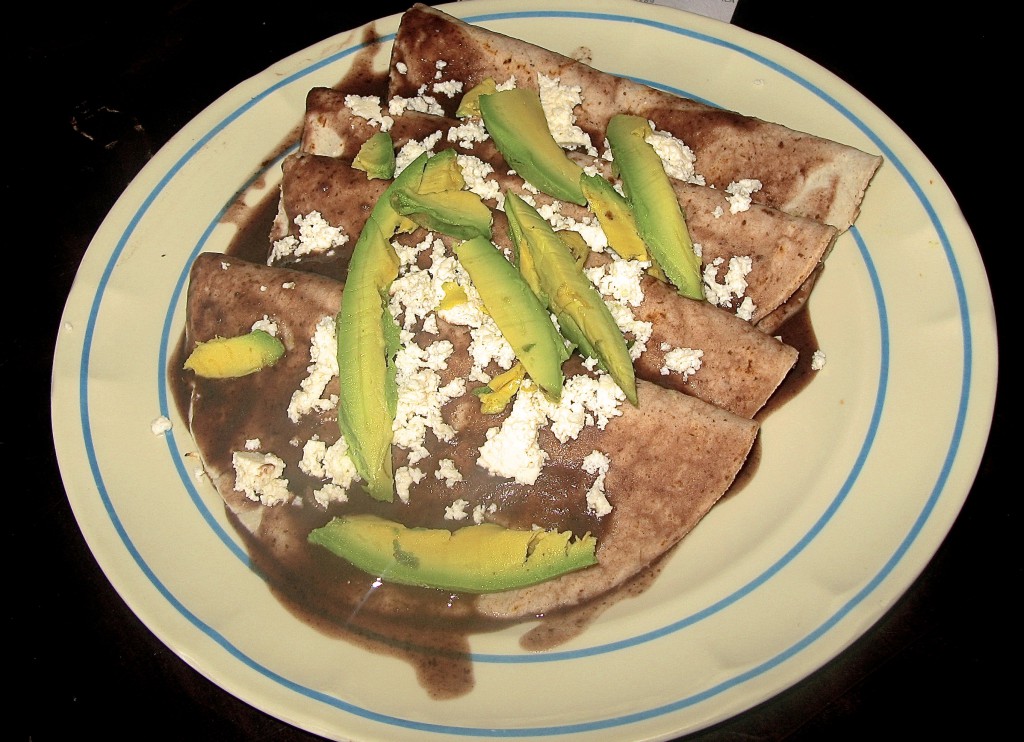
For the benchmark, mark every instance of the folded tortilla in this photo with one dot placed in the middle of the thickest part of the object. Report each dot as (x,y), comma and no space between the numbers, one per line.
(800,173)
(672,457)
(785,250)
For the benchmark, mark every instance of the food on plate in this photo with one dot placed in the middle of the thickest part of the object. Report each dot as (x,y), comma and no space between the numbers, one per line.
(523,332)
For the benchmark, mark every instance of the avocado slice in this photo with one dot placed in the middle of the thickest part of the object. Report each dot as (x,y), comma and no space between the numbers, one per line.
(481,558)
(550,269)
(499,391)
(617,222)
(376,157)
(659,217)
(460,214)
(442,173)
(367,340)
(577,245)
(470,104)
(523,320)
(516,122)
(231,357)
(435,200)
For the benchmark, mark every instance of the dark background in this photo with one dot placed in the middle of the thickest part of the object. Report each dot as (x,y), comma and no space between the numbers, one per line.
(95,89)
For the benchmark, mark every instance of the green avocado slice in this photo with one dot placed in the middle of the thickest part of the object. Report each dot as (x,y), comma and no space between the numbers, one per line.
(470,103)
(659,217)
(442,173)
(366,332)
(516,122)
(231,357)
(550,269)
(460,214)
(523,320)
(481,558)
(376,157)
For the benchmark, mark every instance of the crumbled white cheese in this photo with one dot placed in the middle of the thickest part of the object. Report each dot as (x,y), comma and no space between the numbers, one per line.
(402,67)
(267,325)
(468,132)
(489,345)
(323,353)
(414,295)
(421,396)
(746,309)
(740,192)
(620,280)
(639,330)
(420,103)
(457,510)
(559,102)
(368,107)
(475,172)
(734,284)
(409,254)
(597,502)
(447,471)
(480,512)
(676,157)
(413,149)
(586,400)
(405,478)
(331,463)
(160,425)
(451,88)
(260,477)
(253,444)
(316,236)
(513,450)
(818,360)
(685,361)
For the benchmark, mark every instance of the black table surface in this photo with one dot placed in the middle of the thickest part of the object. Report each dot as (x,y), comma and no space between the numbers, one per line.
(108,86)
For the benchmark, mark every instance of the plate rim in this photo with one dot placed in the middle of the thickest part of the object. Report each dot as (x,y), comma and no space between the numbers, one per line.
(651,13)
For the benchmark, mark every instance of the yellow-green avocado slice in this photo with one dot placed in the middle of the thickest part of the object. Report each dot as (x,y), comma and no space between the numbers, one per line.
(366,338)
(240,355)
(659,217)
(550,269)
(482,558)
(519,314)
(376,157)
(516,122)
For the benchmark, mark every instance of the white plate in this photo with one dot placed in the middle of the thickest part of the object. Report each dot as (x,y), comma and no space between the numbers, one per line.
(861,477)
